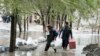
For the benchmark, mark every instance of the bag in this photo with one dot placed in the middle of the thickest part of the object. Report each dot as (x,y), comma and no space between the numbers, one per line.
(72,44)
(57,43)
(52,44)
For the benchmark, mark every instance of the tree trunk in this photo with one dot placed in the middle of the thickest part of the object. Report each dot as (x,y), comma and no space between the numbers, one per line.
(53,20)
(30,19)
(48,19)
(43,23)
(13,31)
(65,18)
(62,19)
(27,27)
(24,28)
(61,22)
(71,24)
(48,14)
(19,24)
(44,26)
(63,15)
(78,23)
(92,30)
(98,24)
(71,27)
(19,35)
(98,31)
(98,35)
(58,21)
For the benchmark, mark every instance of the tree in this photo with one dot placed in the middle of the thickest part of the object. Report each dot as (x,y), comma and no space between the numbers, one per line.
(51,10)
(13,30)
(16,7)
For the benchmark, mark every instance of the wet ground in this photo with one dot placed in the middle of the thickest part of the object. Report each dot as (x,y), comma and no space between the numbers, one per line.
(40,52)
(34,31)
(82,39)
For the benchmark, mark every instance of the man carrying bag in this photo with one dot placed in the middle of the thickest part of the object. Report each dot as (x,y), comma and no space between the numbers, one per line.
(52,34)
(66,32)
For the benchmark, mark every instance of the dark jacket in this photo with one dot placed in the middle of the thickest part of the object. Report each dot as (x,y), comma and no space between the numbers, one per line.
(52,35)
(66,32)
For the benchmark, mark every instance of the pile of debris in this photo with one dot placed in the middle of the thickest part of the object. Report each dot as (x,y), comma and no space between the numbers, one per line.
(30,44)
(92,50)
(26,48)
(24,45)
(3,48)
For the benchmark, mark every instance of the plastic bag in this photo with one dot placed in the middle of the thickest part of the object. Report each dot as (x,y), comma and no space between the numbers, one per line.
(30,41)
(52,44)
(56,44)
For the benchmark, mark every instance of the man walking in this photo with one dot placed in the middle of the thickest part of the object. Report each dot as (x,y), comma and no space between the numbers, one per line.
(50,37)
(66,32)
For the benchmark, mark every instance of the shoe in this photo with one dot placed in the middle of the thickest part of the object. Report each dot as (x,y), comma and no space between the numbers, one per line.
(55,50)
